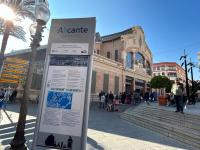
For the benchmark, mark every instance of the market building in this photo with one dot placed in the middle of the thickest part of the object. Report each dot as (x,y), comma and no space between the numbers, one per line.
(122,62)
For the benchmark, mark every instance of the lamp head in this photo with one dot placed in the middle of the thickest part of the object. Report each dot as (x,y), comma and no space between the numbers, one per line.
(182,64)
(42,14)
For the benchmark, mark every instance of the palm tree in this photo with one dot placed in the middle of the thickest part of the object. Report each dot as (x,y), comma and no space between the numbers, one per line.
(13,30)
(22,9)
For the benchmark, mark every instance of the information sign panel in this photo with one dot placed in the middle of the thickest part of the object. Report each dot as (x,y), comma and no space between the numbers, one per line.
(64,102)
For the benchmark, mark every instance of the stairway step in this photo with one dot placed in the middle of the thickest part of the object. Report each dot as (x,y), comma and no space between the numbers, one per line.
(181,134)
(187,117)
(174,120)
(153,108)
(166,125)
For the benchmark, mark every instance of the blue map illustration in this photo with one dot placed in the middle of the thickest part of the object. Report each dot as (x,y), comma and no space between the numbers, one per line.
(57,99)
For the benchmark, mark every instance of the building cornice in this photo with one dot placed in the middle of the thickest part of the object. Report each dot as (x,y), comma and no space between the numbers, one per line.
(23,51)
(107,61)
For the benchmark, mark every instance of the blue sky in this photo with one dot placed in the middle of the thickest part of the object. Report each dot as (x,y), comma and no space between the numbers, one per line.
(170,26)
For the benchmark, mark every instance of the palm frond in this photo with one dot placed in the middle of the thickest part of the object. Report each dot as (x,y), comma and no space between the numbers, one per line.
(25,14)
(18,32)
(29,2)
(22,8)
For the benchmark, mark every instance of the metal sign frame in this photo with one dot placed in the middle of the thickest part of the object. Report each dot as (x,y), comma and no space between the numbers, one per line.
(67,37)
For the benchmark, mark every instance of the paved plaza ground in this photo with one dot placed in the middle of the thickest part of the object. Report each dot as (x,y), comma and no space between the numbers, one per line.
(106,131)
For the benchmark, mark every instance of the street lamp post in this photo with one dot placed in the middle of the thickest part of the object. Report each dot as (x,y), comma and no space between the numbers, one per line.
(36,29)
(186,74)
(192,94)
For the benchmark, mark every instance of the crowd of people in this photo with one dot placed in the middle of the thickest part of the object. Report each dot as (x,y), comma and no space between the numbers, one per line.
(177,98)
(7,95)
(111,102)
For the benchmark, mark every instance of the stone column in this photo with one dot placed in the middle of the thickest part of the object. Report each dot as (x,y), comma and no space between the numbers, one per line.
(134,84)
(133,61)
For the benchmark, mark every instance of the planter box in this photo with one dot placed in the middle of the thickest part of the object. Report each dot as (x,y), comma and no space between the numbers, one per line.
(162,100)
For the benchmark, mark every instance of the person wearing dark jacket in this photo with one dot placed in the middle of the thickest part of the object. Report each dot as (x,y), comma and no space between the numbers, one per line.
(146,97)
(111,96)
(13,95)
(123,97)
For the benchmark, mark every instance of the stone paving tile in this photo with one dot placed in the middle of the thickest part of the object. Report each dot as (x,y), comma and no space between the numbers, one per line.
(106,132)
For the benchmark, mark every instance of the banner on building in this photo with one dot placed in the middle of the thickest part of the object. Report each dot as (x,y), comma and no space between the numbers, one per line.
(63,112)
(14,71)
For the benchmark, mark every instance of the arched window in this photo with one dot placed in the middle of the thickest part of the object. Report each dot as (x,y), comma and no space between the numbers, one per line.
(129,60)
(139,60)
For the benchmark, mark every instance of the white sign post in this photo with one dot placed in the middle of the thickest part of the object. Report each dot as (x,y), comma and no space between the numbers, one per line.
(64,104)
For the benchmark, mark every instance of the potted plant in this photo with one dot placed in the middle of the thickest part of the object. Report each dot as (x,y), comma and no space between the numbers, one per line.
(164,85)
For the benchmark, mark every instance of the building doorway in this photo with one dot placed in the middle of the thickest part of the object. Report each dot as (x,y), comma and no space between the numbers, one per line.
(129,84)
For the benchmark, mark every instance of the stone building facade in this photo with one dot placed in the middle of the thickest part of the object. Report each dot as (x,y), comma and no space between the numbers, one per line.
(171,70)
(122,62)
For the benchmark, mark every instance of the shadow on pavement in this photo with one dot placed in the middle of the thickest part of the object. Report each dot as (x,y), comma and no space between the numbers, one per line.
(110,122)
(15,107)
(91,144)
(7,132)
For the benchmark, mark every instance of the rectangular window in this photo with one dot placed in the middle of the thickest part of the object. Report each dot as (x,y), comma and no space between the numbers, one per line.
(93,86)
(116,91)
(116,55)
(171,68)
(162,68)
(158,68)
(108,54)
(105,82)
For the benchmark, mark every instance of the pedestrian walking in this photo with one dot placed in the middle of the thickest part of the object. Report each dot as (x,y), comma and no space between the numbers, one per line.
(103,99)
(100,94)
(179,99)
(123,97)
(146,97)
(6,97)
(116,103)
(111,97)
(110,106)
(2,93)
(13,95)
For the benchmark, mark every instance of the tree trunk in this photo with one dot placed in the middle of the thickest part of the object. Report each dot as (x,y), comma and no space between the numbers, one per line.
(4,42)
(18,143)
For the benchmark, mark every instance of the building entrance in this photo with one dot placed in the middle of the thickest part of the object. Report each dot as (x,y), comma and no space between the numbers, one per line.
(129,84)
(140,85)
